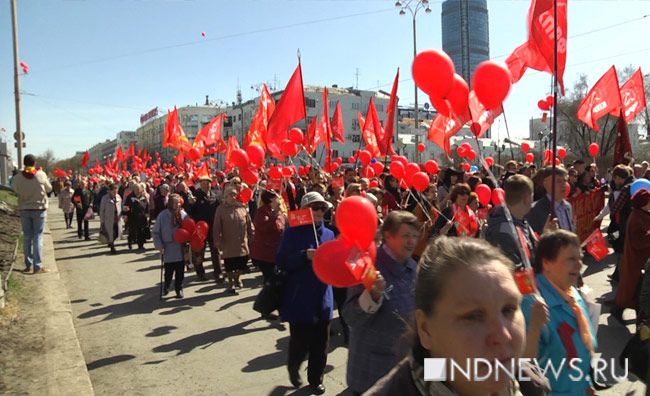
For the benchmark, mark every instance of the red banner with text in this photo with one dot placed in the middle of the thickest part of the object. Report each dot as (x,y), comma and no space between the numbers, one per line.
(585,208)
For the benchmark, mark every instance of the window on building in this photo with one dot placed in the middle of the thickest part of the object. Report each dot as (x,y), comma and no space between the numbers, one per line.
(355,124)
(310,102)
(335,153)
(356,138)
(332,104)
(355,106)
(380,107)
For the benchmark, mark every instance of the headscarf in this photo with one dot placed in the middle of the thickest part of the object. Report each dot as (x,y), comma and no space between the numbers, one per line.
(641,199)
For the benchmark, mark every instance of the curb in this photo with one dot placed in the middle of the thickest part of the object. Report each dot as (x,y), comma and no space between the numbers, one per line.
(66,371)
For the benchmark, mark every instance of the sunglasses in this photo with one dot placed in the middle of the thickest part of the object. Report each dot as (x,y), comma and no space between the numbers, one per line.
(321,207)
(463,193)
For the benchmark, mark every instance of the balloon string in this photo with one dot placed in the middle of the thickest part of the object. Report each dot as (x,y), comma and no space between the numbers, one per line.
(426,212)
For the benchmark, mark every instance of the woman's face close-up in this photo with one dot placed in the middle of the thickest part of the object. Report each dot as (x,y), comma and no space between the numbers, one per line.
(564,271)
(477,316)
(461,199)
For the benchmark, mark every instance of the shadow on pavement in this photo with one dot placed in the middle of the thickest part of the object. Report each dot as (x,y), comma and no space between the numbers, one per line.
(594,267)
(208,338)
(270,361)
(108,361)
(240,301)
(160,331)
(150,268)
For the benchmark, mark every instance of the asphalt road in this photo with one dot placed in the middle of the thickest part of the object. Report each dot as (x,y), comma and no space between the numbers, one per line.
(209,342)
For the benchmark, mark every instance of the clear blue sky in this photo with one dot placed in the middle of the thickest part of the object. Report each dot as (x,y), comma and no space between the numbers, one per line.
(95,65)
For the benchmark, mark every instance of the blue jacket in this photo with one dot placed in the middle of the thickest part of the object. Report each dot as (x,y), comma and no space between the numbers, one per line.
(305,297)
(163,237)
(374,337)
(555,343)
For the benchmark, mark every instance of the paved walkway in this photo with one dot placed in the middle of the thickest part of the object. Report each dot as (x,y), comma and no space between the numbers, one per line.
(209,342)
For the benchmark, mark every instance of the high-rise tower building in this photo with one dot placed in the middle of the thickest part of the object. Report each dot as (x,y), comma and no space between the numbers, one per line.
(466,34)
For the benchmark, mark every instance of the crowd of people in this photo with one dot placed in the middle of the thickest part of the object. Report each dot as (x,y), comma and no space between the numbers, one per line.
(448,263)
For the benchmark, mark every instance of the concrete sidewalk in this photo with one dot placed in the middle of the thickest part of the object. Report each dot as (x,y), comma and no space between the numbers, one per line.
(54,363)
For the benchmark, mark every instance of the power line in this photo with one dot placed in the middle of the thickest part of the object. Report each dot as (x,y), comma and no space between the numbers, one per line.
(218,38)
(78,101)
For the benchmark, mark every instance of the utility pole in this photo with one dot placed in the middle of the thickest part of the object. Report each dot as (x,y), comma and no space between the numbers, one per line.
(19,132)
(356,79)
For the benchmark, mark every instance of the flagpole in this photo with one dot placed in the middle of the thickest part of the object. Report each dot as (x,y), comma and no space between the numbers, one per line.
(505,121)
(554,125)
(19,132)
(305,105)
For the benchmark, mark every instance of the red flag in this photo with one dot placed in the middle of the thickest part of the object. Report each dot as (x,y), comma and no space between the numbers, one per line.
(337,124)
(538,52)
(119,154)
(441,129)
(633,96)
(596,245)
(390,117)
(259,127)
(300,217)
(290,109)
(179,159)
(211,133)
(324,131)
(174,135)
(233,144)
(480,115)
(622,145)
(204,171)
(25,67)
(372,132)
(313,136)
(85,159)
(131,152)
(603,98)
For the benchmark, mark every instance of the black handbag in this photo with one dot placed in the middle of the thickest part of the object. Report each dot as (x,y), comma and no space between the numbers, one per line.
(270,297)
(637,353)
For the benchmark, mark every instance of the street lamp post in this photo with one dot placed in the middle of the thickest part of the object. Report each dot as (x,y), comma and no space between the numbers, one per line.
(499,150)
(413,6)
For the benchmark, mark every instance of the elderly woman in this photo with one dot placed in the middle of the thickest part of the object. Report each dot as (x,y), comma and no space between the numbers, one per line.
(66,204)
(458,219)
(569,332)
(636,251)
(376,323)
(136,208)
(232,232)
(466,306)
(167,222)
(269,224)
(307,302)
(110,216)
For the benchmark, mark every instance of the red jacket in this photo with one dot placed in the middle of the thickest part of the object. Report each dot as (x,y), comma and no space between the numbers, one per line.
(269,225)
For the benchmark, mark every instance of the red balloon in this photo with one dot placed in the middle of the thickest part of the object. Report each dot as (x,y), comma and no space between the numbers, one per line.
(484,194)
(289,148)
(189,225)
(275,173)
(561,153)
(245,195)
(341,264)
(397,169)
(433,72)
(202,226)
(255,155)
(378,167)
(498,196)
(240,158)
(368,172)
(197,244)
(548,156)
(471,155)
(594,149)
(351,160)
(530,158)
(364,157)
(421,147)
(411,169)
(441,105)
(542,105)
(550,100)
(194,154)
(249,176)
(431,166)
(420,181)
(475,128)
(489,161)
(461,151)
(458,96)
(373,184)
(296,135)
(339,160)
(491,83)
(465,166)
(525,147)
(287,171)
(181,235)
(356,218)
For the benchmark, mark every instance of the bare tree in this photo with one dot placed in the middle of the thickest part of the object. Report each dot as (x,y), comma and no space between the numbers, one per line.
(46,160)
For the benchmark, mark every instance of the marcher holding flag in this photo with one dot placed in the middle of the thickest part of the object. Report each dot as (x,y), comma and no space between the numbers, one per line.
(307,303)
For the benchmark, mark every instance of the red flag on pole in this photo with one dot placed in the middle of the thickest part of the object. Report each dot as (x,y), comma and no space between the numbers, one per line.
(389,129)
(233,145)
(596,245)
(338,131)
(324,130)
(85,159)
(119,154)
(622,145)
(633,96)
(371,130)
(441,129)
(25,67)
(258,130)
(289,110)
(211,133)
(480,115)
(174,135)
(131,152)
(300,217)
(313,138)
(603,98)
